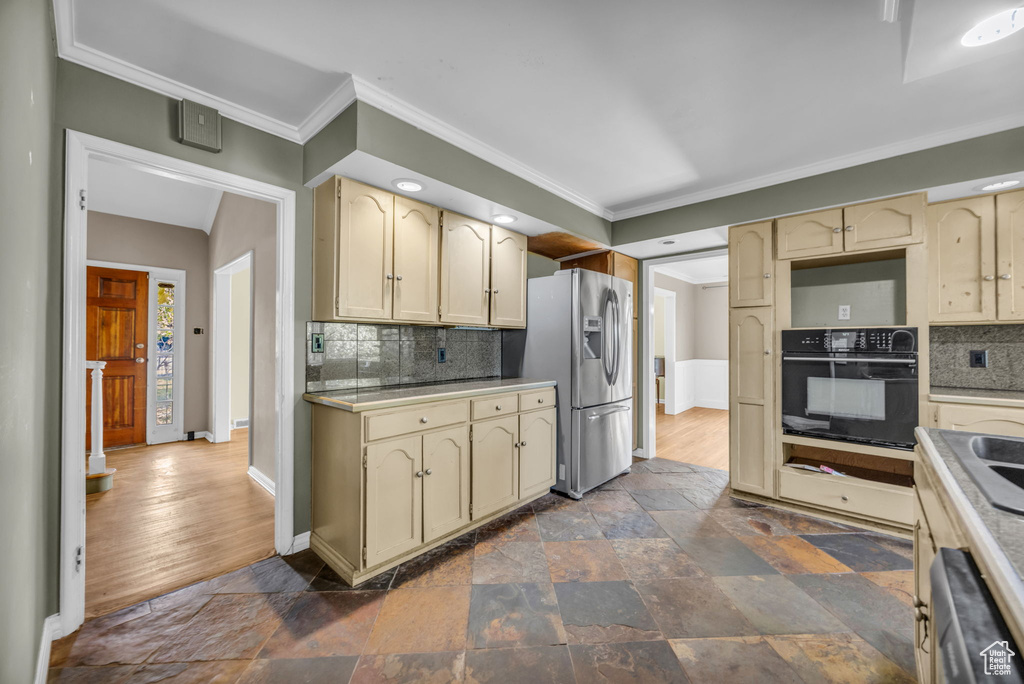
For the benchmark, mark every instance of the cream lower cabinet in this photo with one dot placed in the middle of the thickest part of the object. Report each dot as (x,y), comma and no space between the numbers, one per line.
(391,483)
(996,420)
(751,401)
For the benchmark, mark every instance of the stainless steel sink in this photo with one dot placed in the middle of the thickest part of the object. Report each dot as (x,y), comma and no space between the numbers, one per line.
(996,464)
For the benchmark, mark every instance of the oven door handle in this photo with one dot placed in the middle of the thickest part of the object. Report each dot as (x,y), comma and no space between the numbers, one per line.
(906,362)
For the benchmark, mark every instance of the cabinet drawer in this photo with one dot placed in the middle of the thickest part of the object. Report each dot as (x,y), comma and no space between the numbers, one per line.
(857,497)
(497,405)
(537,399)
(415,419)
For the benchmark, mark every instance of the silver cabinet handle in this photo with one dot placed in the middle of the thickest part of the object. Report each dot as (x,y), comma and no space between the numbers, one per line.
(419,473)
(990,277)
(849,229)
(398,277)
(767,275)
(423,420)
(389,276)
(429,471)
(140,360)
(1005,276)
(844,498)
(837,229)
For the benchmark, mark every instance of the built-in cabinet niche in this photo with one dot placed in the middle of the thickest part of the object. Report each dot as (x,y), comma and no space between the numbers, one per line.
(876,292)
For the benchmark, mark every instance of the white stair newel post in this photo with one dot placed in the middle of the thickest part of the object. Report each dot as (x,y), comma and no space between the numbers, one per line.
(97,459)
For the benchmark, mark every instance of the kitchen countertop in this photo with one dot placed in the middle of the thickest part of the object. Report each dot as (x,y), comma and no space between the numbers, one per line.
(983,397)
(371,398)
(994,533)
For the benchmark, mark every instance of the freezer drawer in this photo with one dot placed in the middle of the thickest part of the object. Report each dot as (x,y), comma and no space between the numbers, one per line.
(601,444)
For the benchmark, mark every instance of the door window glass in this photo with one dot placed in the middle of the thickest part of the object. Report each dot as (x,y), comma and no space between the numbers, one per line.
(165,310)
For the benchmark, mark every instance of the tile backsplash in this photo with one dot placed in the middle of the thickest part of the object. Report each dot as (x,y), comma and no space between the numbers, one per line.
(950,361)
(372,355)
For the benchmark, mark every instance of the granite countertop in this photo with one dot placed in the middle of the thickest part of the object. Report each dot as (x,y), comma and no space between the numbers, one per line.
(998,533)
(403,395)
(984,397)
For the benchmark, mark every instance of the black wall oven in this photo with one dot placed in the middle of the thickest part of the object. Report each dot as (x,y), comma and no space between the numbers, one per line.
(853,385)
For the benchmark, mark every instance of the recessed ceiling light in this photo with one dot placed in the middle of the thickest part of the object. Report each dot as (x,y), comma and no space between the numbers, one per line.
(407,184)
(1001,185)
(995,28)
(666,242)
(503,218)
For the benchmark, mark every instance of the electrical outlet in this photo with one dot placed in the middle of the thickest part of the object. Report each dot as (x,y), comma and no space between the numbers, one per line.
(844,312)
(317,347)
(979,358)
(442,355)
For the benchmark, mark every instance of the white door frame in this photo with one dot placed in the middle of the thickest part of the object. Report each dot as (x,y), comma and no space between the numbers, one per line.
(220,336)
(647,325)
(175,431)
(81,147)
(670,350)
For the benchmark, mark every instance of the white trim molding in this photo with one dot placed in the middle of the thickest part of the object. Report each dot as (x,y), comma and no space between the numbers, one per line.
(220,343)
(80,148)
(261,479)
(300,543)
(50,631)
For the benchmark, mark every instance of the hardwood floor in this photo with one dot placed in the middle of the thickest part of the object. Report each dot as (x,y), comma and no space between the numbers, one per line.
(179,513)
(700,436)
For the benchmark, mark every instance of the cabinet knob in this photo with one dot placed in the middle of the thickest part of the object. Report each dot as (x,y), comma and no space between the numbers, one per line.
(423,419)
(390,276)
(487,291)
(498,407)
(496,292)
(1005,276)
(429,471)
(419,473)
(990,277)
(837,229)
(918,603)
(849,229)
(522,444)
(398,277)
(919,615)
(767,352)
(767,275)
(541,400)
(844,498)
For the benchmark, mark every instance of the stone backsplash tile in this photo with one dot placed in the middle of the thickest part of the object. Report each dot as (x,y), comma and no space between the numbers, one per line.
(950,347)
(370,355)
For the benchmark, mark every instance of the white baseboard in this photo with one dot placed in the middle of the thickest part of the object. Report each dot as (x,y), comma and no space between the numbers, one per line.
(701,382)
(261,479)
(51,631)
(198,435)
(301,542)
(639,453)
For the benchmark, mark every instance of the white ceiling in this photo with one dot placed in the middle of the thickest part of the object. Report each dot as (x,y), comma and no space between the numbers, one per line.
(621,108)
(698,271)
(126,191)
(677,244)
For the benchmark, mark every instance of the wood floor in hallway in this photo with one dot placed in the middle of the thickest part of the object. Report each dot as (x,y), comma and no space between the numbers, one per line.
(179,513)
(699,435)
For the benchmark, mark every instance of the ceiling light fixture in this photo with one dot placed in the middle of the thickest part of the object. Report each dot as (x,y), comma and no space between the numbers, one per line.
(503,218)
(407,185)
(995,28)
(1001,185)
(666,242)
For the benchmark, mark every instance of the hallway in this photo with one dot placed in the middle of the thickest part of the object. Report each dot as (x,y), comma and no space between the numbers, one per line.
(179,513)
(699,436)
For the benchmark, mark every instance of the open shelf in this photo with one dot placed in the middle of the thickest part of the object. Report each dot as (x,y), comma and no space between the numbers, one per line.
(856,466)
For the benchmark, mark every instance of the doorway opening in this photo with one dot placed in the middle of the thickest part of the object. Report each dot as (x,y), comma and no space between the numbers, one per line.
(686,360)
(140,259)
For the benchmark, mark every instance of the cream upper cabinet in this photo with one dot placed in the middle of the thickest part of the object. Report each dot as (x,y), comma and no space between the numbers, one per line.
(812,234)
(751,401)
(465,270)
(537,431)
(416,261)
(445,482)
(995,420)
(1010,255)
(886,223)
(961,260)
(394,473)
(508,278)
(495,469)
(365,229)
(750,264)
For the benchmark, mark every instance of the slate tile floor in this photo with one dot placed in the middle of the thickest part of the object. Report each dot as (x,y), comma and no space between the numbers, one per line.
(659,576)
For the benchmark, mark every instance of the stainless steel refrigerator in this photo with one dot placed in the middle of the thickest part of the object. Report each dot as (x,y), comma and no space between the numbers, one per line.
(579,332)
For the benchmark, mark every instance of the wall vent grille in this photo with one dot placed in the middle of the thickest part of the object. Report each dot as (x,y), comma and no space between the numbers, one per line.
(199,126)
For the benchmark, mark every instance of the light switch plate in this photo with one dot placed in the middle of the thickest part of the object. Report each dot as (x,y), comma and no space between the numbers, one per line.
(979,358)
(844,312)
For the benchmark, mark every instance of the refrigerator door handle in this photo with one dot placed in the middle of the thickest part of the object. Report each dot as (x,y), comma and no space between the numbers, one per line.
(616,409)
(607,342)
(618,337)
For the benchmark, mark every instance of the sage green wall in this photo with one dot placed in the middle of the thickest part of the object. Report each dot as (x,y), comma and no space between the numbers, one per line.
(333,143)
(989,155)
(538,266)
(91,102)
(29,337)
(876,292)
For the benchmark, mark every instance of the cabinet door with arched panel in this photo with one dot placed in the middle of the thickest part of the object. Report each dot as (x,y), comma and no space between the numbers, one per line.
(394,498)
(445,482)
(750,265)
(495,454)
(508,278)
(961,260)
(465,270)
(813,234)
(537,432)
(365,231)
(1010,255)
(751,404)
(416,261)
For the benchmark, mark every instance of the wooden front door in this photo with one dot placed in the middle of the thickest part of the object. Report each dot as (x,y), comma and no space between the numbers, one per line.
(117,315)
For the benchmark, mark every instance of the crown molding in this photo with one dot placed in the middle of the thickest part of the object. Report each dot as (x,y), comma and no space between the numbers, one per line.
(372,95)
(874,154)
(328,110)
